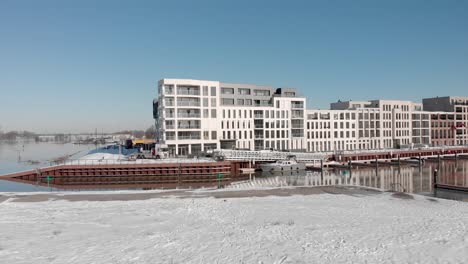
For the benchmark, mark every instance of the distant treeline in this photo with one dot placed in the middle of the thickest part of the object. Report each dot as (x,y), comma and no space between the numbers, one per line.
(13,135)
(148,133)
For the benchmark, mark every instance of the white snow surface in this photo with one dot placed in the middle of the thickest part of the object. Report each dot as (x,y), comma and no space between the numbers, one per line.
(322,228)
(107,158)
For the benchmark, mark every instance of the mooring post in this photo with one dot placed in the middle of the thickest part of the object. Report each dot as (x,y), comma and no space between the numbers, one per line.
(438,161)
(321,169)
(376,167)
(434,181)
(350,171)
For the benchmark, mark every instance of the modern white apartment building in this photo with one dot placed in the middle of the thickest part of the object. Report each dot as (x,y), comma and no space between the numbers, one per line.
(388,123)
(196,115)
(449,117)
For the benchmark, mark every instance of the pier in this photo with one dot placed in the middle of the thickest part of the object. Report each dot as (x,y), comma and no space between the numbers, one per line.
(132,176)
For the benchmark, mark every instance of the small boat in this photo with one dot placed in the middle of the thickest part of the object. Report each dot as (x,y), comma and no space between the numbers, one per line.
(283,165)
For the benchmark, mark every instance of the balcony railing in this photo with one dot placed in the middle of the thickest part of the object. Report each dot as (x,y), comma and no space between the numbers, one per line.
(185,92)
(189,115)
(183,103)
(189,126)
(170,126)
(295,106)
(188,137)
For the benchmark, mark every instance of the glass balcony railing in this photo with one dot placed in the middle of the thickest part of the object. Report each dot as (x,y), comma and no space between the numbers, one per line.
(188,92)
(188,103)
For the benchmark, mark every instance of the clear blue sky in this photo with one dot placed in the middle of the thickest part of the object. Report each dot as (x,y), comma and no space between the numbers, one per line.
(74,66)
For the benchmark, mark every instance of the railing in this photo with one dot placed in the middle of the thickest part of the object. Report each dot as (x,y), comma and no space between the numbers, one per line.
(188,137)
(169,103)
(183,103)
(258,116)
(170,126)
(265,155)
(189,115)
(296,106)
(185,92)
(188,127)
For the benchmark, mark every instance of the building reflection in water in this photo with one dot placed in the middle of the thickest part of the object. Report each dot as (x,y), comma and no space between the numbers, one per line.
(404,178)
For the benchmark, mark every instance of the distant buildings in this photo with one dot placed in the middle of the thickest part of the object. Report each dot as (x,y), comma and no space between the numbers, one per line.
(195,115)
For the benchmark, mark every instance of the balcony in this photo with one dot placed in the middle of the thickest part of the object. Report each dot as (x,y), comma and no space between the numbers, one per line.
(189,113)
(188,103)
(297,105)
(259,136)
(189,137)
(188,92)
(189,127)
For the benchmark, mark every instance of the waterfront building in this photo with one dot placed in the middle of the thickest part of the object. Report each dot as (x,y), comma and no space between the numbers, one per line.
(196,115)
(449,117)
(388,123)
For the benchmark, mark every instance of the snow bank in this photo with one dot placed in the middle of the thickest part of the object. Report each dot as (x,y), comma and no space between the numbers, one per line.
(107,158)
(321,228)
(103,156)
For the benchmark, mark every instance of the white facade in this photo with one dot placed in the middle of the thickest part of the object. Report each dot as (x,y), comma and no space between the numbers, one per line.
(195,115)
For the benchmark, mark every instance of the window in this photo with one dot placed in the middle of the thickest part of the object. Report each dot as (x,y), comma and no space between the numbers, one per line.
(225,90)
(244,91)
(205,90)
(205,113)
(213,91)
(227,101)
(213,113)
(205,102)
(248,101)
(213,102)
(213,135)
(240,101)
(262,92)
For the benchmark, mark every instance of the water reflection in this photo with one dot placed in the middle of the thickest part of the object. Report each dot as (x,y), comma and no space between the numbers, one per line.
(406,178)
(26,155)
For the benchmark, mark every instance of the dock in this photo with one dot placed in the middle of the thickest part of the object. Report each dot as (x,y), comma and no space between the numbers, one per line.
(133,175)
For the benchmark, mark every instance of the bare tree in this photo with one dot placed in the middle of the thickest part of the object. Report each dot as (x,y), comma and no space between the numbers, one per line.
(150,133)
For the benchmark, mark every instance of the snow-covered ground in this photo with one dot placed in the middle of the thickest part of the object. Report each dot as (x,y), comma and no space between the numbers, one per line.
(107,158)
(198,228)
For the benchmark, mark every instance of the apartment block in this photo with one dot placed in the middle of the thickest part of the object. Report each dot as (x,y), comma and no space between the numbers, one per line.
(196,115)
(449,118)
